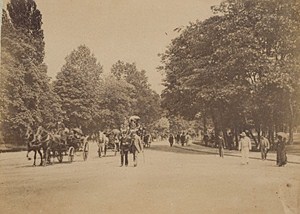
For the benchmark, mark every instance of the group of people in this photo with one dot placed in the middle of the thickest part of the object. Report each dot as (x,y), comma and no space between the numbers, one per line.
(245,145)
(182,138)
(131,141)
(59,133)
(130,144)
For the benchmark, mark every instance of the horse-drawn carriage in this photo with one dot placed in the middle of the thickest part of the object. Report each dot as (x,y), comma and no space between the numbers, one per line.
(71,147)
(107,142)
(56,145)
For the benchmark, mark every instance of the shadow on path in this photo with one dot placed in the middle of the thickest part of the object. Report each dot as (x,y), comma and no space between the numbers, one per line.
(167,148)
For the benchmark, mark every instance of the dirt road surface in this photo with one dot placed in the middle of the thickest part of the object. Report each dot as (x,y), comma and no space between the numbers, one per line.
(170,180)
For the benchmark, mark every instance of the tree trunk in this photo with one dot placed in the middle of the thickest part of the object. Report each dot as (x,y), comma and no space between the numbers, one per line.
(291,122)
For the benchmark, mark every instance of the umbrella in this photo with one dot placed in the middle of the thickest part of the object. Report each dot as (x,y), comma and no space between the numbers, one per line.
(282,134)
(78,130)
(134,117)
(116,131)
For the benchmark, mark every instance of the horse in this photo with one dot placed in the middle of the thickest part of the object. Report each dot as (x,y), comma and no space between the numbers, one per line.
(45,141)
(102,140)
(33,144)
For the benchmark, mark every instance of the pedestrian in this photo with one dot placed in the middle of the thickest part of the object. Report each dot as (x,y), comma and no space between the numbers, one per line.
(230,140)
(221,144)
(182,139)
(244,147)
(125,143)
(281,150)
(178,138)
(171,139)
(187,138)
(264,147)
(117,142)
(206,139)
(136,147)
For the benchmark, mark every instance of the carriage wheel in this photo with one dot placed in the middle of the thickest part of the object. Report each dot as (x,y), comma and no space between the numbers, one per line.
(85,151)
(71,154)
(59,156)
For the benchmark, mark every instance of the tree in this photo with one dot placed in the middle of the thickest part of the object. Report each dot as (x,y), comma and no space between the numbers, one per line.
(236,66)
(77,85)
(115,102)
(25,84)
(27,19)
(148,101)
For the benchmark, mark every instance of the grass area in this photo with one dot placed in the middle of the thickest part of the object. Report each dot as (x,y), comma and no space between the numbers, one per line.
(12,148)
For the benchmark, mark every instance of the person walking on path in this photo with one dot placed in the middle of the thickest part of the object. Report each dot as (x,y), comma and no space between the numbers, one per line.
(178,138)
(221,144)
(244,147)
(125,143)
(206,139)
(182,139)
(264,147)
(230,140)
(137,147)
(171,139)
(188,139)
(281,150)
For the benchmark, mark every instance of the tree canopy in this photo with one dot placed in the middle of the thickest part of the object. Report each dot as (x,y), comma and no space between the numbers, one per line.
(239,67)
(25,86)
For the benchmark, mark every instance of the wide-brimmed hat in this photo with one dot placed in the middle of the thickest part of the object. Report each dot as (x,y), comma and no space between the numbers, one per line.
(282,134)
(243,134)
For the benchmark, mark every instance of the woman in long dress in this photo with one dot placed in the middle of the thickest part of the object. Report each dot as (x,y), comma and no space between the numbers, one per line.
(281,150)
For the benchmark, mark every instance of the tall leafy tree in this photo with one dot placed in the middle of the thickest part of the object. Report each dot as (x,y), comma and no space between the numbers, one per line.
(26,18)
(148,101)
(236,66)
(77,85)
(115,102)
(25,91)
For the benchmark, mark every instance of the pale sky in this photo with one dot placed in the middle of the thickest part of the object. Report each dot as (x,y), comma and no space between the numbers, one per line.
(127,30)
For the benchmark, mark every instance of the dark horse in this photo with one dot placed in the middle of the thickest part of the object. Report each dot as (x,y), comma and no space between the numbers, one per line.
(37,142)
(32,144)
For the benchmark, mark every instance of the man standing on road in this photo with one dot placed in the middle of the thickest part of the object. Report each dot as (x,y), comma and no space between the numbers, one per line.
(221,144)
(171,139)
(178,138)
(125,143)
(137,147)
(182,138)
(264,147)
(244,147)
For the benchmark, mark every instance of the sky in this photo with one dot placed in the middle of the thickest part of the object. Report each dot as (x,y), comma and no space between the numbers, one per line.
(128,30)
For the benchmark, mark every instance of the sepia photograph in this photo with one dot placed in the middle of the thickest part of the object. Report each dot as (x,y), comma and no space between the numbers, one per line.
(150,107)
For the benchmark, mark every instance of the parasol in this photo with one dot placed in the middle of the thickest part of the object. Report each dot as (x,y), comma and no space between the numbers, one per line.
(282,134)
(134,117)
(78,130)
(116,131)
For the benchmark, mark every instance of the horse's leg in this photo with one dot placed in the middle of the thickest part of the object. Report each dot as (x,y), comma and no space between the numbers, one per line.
(27,155)
(34,157)
(40,153)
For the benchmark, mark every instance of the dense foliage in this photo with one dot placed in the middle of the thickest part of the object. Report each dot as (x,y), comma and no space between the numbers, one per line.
(239,68)
(81,96)
(26,97)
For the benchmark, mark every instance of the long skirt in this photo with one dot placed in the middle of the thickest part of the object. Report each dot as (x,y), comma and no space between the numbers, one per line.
(281,157)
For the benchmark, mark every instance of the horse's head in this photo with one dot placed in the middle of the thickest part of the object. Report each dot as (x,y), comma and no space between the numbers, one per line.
(28,133)
(42,134)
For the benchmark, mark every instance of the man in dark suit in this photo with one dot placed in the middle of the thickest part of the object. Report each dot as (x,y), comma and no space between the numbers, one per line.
(137,147)
(125,143)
